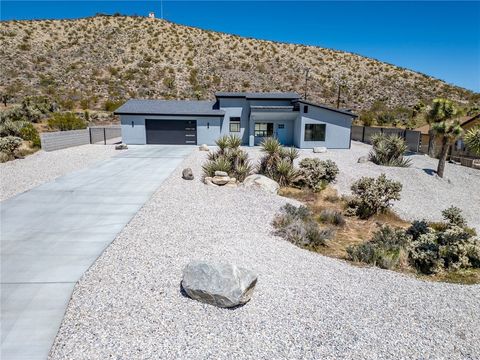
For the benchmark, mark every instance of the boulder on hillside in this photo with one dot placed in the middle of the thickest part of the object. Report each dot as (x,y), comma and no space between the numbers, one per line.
(187,174)
(261,182)
(222,285)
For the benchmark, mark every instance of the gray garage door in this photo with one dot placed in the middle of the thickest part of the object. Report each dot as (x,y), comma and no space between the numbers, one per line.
(171,132)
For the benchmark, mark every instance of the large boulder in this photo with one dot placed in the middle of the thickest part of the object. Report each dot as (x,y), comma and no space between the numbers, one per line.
(320,149)
(121,147)
(222,285)
(187,174)
(261,182)
(220,180)
(362,159)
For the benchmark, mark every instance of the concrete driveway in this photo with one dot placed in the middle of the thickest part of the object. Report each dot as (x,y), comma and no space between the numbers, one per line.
(52,234)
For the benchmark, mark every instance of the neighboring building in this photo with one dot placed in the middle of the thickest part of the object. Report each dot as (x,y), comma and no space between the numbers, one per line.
(151,15)
(456,150)
(252,116)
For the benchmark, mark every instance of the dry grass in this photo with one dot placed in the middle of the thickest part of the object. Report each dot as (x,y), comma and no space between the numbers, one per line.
(356,231)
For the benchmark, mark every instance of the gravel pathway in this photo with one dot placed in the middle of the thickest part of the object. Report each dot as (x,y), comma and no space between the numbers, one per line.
(20,175)
(424,195)
(305,306)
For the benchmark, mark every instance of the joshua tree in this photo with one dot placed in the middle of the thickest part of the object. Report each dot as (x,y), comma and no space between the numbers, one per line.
(442,110)
(472,140)
(449,130)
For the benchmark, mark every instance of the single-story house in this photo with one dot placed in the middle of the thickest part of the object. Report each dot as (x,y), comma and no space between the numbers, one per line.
(251,116)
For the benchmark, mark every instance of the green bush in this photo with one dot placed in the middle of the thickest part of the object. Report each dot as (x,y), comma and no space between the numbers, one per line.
(66,121)
(277,163)
(418,228)
(387,249)
(228,158)
(30,133)
(296,225)
(453,216)
(9,145)
(111,105)
(315,173)
(373,196)
(388,150)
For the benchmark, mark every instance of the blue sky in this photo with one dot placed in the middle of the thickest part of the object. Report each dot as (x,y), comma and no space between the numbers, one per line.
(441,39)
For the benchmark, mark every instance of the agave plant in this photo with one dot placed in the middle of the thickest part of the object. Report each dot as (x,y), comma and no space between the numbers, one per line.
(388,150)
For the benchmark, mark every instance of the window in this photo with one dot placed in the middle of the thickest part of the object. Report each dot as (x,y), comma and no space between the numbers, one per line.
(281,126)
(315,132)
(263,129)
(305,109)
(234,124)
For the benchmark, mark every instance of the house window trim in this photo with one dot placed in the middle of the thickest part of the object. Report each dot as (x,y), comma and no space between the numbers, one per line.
(236,122)
(315,140)
(263,133)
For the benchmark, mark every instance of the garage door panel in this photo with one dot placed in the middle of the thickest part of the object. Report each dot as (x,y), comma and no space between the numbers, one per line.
(171,132)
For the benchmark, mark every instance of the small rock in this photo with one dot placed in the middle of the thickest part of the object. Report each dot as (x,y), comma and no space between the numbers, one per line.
(261,182)
(121,147)
(476,164)
(222,285)
(221,173)
(204,147)
(220,180)
(232,181)
(320,149)
(208,181)
(187,174)
(362,159)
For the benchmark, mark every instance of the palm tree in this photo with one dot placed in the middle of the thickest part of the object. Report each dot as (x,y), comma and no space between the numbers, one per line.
(449,130)
(442,110)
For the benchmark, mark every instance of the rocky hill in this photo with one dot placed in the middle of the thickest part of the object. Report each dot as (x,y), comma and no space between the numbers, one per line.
(98,61)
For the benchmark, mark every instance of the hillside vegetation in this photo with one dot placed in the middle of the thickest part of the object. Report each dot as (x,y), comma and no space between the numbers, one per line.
(98,62)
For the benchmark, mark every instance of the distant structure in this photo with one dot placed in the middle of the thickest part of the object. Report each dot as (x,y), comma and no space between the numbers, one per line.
(151,15)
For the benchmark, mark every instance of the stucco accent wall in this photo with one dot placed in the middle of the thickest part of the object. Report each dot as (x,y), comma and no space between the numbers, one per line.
(338,127)
(133,127)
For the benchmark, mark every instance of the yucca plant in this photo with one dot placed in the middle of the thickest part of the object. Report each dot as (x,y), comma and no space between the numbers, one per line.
(472,140)
(243,170)
(277,163)
(234,142)
(220,164)
(449,131)
(223,143)
(388,150)
(285,172)
(291,153)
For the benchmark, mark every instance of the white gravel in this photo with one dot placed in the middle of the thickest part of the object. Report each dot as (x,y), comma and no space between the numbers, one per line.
(20,175)
(424,195)
(305,306)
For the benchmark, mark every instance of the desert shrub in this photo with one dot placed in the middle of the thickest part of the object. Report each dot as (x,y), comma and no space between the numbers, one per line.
(418,228)
(386,249)
(66,121)
(296,225)
(315,174)
(472,140)
(333,217)
(373,196)
(277,163)
(388,150)
(424,254)
(9,145)
(228,158)
(450,245)
(111,105)
(30,133)
(11,128)
(453,216)
(4,157)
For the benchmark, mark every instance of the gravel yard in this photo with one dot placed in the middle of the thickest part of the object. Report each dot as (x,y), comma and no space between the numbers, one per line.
(305,306)
(24,174)
(424,195)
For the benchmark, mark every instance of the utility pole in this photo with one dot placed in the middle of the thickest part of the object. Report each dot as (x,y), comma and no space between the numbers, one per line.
(306,83)
(161,9)
(338,96)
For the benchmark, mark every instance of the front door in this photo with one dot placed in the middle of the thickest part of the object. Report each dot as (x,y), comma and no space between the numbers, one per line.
(281,134)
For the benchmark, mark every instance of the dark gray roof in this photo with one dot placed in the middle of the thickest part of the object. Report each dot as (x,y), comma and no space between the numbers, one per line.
(341,111)
(259,95)
(169,107)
